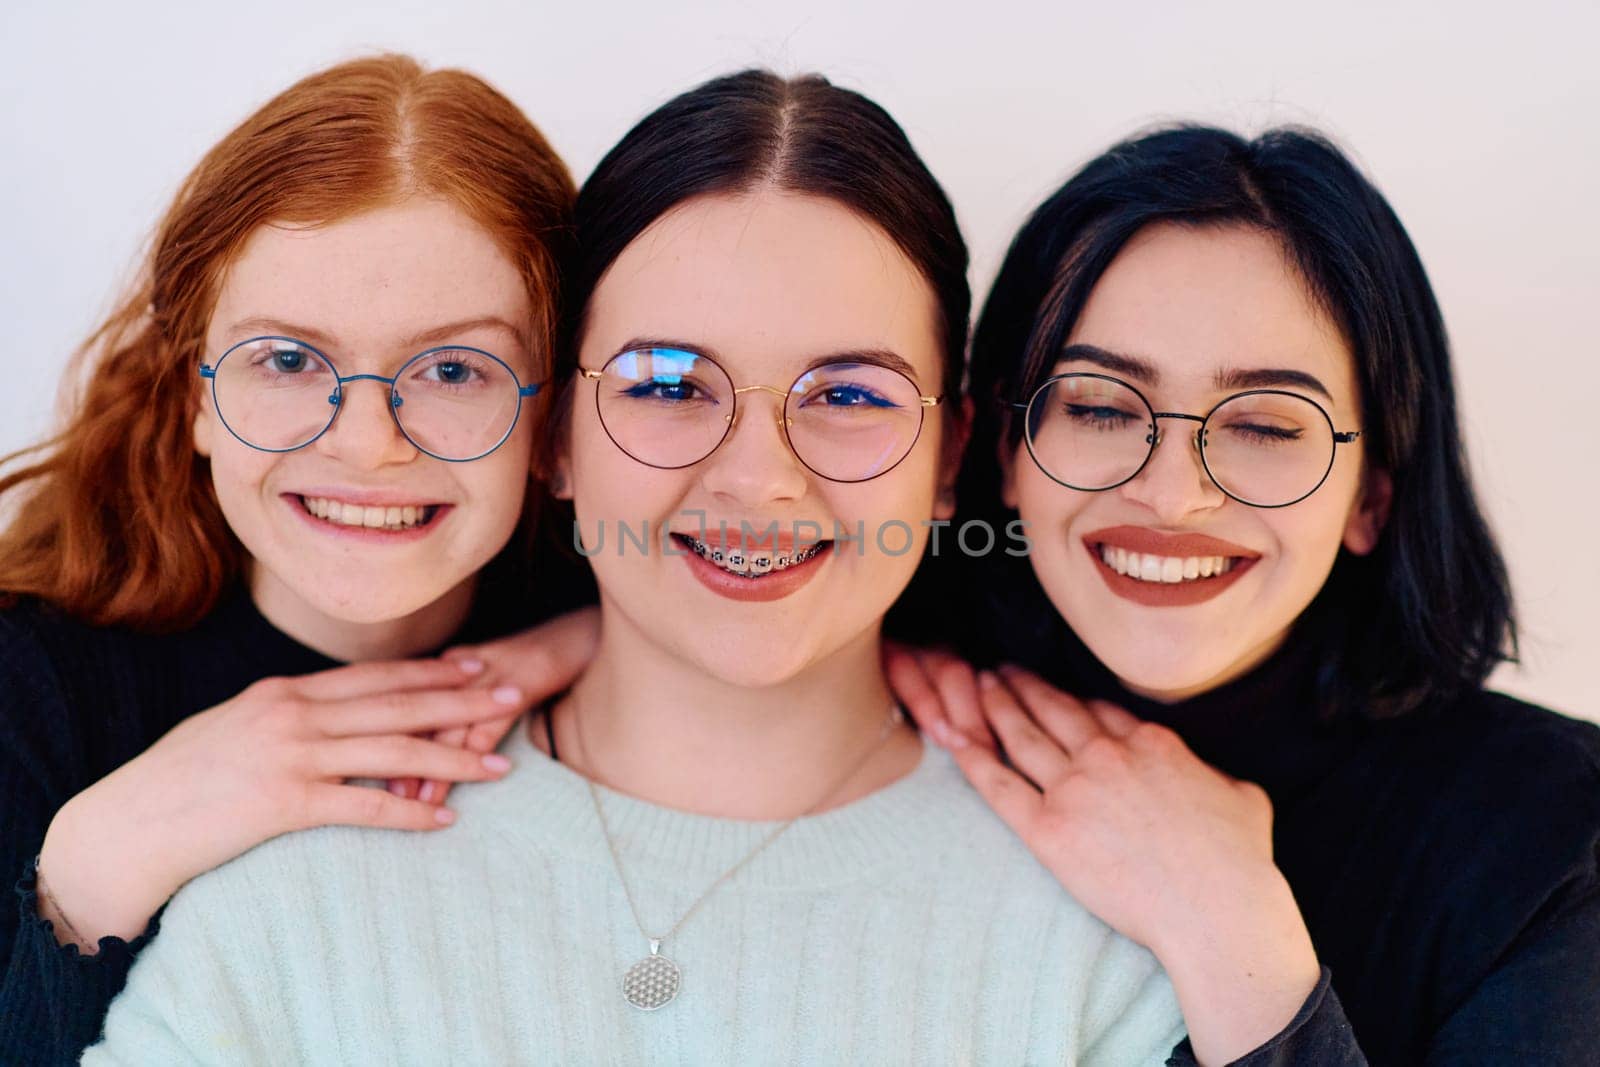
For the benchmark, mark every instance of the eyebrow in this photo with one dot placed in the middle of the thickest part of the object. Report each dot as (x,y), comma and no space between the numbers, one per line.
(1230,378)
(432,335)
(879,357)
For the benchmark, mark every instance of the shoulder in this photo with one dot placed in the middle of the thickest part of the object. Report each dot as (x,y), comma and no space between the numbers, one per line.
(1502,795)
(1491,746)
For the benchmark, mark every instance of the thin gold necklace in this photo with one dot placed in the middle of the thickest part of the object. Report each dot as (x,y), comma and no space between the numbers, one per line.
(656,980)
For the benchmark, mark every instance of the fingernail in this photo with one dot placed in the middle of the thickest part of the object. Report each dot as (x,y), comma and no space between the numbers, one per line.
(397,789)
(444,816)
(941,734)
(497,763)
(957,740)
(507,694)
(425,794)
(471,666)
(987,679)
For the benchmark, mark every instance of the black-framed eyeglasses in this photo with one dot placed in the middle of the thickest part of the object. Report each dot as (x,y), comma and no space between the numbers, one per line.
(453,402)
(670,408)
(1267,448)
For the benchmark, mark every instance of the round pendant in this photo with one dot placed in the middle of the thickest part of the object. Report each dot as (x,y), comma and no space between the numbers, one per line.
(652,982)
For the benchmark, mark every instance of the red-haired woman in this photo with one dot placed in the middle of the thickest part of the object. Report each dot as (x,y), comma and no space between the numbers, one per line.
(303,440)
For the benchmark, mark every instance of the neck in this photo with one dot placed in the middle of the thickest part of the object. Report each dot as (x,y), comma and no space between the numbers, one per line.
(645,722)
(418,632)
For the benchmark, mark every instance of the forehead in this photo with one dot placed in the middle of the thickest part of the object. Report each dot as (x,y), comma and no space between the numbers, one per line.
(766,280)
(388,273)
(1196,301)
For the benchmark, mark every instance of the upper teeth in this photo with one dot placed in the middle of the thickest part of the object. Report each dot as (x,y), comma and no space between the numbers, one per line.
(378,518)
(1148,568)
(752,565)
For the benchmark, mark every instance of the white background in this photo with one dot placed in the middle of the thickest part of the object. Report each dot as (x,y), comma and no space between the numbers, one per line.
(1481,124)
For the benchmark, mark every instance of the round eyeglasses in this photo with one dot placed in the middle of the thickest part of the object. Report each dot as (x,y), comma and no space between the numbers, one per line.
(454,403)
(1267,448)
(670,408)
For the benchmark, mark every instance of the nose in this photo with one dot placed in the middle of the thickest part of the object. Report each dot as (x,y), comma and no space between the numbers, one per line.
(364,434)
(755,464)
(1174,484)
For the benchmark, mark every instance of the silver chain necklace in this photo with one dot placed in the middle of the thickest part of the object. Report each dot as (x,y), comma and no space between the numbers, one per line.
(656,980)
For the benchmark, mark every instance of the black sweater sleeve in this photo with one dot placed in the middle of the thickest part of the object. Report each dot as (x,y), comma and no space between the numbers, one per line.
(53,999)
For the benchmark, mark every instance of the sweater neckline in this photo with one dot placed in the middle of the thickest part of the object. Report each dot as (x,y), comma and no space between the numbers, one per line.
(546,803)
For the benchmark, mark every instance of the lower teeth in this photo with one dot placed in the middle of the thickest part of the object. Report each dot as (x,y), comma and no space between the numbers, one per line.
(749,566)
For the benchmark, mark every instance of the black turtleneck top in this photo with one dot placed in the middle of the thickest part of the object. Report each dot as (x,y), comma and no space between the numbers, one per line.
(76,703)
(1447,864)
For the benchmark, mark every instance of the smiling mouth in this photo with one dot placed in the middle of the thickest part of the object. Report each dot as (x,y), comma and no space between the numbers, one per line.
(753,564)
(338,513)
(1166,570)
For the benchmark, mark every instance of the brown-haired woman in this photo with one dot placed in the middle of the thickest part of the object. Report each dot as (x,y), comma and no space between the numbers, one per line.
(295,444)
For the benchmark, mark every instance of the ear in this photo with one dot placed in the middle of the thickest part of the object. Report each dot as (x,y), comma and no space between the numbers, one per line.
(958,431)
(1006,456)
(560,481)
(1370,513)
(203,428)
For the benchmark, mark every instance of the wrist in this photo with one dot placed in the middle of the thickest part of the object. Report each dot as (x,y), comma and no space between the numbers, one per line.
(90,889)
(1241,970)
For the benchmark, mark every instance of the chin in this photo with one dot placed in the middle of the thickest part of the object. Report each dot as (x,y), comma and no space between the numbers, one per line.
(368,603)
(751,661)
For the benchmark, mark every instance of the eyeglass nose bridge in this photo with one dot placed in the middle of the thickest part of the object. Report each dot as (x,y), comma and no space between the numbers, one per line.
(336,397)
(1197,439)
(784,421)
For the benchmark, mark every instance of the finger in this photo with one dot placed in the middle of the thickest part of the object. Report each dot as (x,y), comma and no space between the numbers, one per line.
(1011,795)
(1062,716)
(355,805)
(415,711)
(406,788)
(399,757)
(544,660)
(482,738)
(1032,751)
(915,691)
(957,683)
(1114,720)
(486,736)
(366,679)
(433,791)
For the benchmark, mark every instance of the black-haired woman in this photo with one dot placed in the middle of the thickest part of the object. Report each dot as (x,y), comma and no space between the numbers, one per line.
(1219,386)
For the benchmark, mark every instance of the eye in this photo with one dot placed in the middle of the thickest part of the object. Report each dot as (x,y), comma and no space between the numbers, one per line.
(844,396)
(450,372)
(1097,417)
(673,389)
(1255,433)
(284,360)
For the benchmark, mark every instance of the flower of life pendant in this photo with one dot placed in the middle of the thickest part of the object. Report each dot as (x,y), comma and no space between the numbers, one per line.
(652,982)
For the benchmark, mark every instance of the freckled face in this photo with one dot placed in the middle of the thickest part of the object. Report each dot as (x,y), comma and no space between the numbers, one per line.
(766,284)
(370,292)
(1189,307)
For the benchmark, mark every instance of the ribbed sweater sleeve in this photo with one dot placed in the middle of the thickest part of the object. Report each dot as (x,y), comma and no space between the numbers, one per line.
(52,997)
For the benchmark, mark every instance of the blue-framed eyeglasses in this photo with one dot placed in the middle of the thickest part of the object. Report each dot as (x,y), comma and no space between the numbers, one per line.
(453,402)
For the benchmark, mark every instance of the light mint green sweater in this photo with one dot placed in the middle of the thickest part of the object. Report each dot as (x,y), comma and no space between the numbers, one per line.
(909,927)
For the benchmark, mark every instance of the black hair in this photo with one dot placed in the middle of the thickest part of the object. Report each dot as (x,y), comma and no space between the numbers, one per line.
(1428,614)
(804,135)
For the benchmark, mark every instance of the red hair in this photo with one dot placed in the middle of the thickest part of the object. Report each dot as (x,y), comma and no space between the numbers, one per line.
(115,519)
